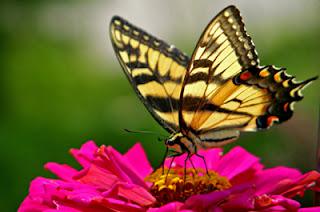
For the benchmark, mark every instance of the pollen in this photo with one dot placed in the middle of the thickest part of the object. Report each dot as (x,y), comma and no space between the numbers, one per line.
(176,185)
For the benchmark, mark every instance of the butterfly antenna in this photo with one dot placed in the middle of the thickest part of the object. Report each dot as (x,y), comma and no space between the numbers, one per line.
(145,132)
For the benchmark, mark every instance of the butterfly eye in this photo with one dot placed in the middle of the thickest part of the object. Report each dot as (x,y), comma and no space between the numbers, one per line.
(169,142)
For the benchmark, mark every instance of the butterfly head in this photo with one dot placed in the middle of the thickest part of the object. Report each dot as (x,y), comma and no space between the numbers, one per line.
(179,144)
(174,144)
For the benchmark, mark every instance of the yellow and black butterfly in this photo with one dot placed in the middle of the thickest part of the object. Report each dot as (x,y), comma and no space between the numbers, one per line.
(207,100)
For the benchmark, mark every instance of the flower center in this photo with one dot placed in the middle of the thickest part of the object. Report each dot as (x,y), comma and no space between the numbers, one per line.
(178,186)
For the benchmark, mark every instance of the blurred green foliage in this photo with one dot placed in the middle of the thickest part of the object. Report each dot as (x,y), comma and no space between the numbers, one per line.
(53,98)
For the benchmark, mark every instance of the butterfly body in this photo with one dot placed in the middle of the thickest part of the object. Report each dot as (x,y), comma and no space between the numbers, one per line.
(180,143)
(205,101)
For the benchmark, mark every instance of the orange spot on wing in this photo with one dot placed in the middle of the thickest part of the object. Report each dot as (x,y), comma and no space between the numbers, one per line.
(272,119)
(264,73)
(277,77)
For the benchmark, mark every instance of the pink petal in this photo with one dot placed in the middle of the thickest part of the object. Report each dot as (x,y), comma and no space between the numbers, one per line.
(119,205)
(136,156)
(241,198)
(310,180)
(83,197)
(41,189)
(36,185)
(271,180)
(235,162)
(121,166)
(202,202)
(275,209)
(63,208)
(30,205)
(55,195)
(41,195)
(289,204)
(216,199)
(216,209)
(133,193)
(275,202)
(97,176)
(63,171)
(170,207)
(311,209)
(248,176)
(107,162)
(97,187)
(86,154)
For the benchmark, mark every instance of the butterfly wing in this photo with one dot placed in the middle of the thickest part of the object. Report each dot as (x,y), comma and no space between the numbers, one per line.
(226,91)
(155,69)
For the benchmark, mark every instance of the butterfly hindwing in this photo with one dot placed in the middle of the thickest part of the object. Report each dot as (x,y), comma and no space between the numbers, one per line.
(274,97)
(155,69)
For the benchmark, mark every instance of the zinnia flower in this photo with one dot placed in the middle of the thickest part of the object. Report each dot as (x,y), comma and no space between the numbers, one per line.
(110,181)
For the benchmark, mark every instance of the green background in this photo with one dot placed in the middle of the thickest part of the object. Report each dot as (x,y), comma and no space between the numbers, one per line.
(60,88)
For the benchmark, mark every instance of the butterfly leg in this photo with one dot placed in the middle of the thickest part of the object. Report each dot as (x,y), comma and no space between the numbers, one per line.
(171,162)
(164,159)
(193,166)
(205,163)
(185,167)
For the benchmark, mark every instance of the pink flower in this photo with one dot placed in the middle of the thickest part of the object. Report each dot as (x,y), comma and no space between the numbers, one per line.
(109,181)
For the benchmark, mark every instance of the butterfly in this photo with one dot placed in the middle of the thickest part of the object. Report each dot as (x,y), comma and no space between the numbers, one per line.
(205,101)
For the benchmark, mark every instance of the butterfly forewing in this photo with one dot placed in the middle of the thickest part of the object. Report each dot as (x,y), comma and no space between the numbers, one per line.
(222,52)
(155,69)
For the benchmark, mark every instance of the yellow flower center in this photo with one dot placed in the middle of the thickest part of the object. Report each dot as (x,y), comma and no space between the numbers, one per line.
(178,186)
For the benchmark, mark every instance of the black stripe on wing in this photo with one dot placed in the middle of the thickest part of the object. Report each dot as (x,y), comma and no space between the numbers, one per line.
(163,107)
(149,40)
